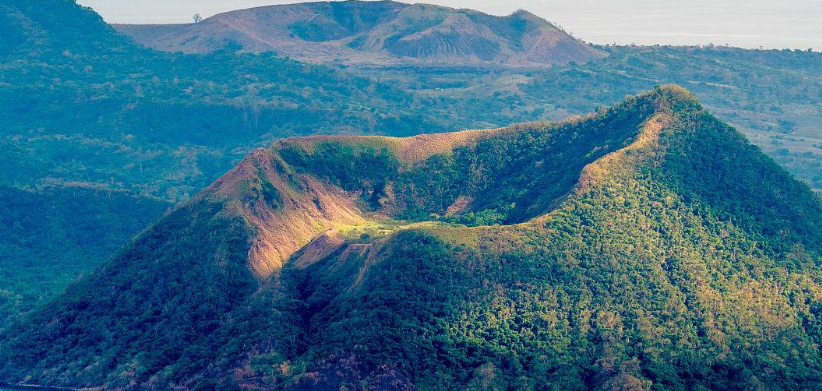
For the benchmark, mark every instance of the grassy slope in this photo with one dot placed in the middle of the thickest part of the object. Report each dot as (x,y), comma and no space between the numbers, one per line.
(209,239)
(167,125)
(645,274)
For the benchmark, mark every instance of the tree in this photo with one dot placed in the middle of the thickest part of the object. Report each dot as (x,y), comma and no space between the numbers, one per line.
(197,18)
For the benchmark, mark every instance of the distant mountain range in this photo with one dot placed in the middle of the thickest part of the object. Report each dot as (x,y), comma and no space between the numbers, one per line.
(647,246)
(375,32)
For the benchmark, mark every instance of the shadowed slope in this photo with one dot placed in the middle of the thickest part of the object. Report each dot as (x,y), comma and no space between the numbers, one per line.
(623,267)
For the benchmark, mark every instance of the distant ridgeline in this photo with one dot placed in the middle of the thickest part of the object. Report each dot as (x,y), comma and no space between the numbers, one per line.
(647,246)
(375,33)
(85,106)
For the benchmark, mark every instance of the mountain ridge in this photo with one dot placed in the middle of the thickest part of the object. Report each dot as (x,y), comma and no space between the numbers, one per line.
(383,32)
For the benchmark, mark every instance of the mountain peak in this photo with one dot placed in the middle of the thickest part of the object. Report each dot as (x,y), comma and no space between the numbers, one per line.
(675,94)
(669,99)
(527,15)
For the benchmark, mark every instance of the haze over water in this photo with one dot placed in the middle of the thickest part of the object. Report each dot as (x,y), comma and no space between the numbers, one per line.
(770,24)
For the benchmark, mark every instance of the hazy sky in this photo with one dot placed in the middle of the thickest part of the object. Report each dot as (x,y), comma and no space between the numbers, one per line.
(795,24)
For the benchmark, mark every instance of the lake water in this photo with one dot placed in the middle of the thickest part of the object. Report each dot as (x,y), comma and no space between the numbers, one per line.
(743,23)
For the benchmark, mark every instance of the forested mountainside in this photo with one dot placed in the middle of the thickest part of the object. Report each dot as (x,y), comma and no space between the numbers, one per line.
(647,245)
(375,33)
(48,238)
(86,108)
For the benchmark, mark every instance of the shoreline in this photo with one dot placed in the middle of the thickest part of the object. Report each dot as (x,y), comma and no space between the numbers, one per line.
(34,387)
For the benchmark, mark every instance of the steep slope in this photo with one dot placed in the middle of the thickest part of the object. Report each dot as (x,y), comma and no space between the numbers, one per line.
(381,32)
(646,245)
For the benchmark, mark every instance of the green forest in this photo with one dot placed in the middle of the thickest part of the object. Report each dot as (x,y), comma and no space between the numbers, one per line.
(86,108)
(652,271)
(50,238)
(614,239)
